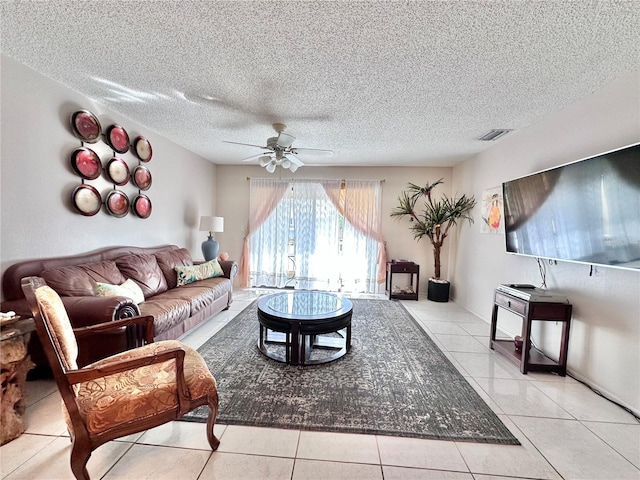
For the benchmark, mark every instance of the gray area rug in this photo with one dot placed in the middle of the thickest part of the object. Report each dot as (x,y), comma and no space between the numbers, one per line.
(394,381)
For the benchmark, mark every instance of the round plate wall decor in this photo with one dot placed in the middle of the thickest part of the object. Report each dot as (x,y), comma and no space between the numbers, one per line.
(142,177)
(141,206)
(118,138)
(117,203)
(85,126)
(86,200)
(86,163)
(118,171)
(142,149)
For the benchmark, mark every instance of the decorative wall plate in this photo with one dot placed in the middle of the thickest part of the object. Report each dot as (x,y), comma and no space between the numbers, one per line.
(86,163)
(85,126)
(141,206)
(118,138)
(117,203)
(141,177)
(118,171)
(142,149)
(86,200)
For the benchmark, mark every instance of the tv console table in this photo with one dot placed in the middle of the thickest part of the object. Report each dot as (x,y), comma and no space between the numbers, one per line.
(529,357)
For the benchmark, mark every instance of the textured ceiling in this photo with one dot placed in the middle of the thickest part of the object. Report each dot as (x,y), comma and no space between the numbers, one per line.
(379,83)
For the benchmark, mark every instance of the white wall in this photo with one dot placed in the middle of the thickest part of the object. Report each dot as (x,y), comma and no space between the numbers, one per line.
(233,184)
(604,346)
(37,219)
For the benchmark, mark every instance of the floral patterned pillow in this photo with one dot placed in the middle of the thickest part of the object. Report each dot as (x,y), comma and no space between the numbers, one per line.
(128,289)
(193,273)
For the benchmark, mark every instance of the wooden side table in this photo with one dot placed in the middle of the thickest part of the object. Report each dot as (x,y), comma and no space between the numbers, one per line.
(15,364)
(529,357)
(410,268)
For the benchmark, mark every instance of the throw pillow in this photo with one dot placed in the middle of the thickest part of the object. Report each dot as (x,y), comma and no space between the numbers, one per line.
(128,289)
(193,273)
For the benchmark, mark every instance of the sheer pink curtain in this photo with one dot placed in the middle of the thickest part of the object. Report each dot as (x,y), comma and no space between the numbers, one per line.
(265,194)
(360,203)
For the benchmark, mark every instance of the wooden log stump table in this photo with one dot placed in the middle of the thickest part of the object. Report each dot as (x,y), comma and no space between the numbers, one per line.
(14,366)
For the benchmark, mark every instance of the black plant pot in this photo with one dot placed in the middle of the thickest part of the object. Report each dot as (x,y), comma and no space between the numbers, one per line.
(438,291)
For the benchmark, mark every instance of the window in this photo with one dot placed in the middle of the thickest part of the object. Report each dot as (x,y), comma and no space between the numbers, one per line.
(315,234)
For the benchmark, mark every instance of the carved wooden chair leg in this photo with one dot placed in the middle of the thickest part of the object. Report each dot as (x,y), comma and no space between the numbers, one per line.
(79,458)
(211,421)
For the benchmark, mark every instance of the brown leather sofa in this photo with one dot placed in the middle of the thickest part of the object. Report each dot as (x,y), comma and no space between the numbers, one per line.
(176,309)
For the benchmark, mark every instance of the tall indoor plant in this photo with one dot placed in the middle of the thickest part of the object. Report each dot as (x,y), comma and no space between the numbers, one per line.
(433,221)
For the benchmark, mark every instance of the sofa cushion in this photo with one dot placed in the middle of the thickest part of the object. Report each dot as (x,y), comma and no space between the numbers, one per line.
(128,289)
(203,293)
(144,269)
(168,310)
(169,260)
(80,280)
(203,271)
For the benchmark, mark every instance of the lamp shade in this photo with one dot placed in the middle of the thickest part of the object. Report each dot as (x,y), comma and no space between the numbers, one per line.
(264,160)
(211,224)
(271,167)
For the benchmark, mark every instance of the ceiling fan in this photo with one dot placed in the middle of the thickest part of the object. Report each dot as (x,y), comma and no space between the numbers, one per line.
(281,152)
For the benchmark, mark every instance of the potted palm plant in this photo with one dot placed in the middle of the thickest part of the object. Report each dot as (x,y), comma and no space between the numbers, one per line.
(433,221)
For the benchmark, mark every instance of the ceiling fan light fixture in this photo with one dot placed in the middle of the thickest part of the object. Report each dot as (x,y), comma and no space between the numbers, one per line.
(278,148)
(271,166)
(264,160)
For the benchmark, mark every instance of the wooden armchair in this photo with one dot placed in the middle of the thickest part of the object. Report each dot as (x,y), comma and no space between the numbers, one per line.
(126,393)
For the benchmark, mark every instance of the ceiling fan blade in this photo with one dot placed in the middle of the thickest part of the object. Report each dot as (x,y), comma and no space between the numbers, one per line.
(312,151)
(248,159)
(285,140)
(294,160)
(246,144)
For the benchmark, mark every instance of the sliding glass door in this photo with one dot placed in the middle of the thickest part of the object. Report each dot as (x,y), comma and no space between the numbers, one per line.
(314,234)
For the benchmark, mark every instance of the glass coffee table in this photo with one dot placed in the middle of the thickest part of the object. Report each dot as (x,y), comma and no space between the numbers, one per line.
(304,327)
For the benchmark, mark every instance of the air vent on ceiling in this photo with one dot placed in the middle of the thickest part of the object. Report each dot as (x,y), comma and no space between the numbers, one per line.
(494,134)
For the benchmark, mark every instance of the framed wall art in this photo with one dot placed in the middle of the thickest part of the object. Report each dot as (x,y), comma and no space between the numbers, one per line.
(88,165)
(492,211)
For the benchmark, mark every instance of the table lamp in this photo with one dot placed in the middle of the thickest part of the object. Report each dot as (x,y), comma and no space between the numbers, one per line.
(210,247)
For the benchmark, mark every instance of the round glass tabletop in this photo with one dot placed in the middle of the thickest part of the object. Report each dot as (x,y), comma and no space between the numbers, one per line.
(306,304)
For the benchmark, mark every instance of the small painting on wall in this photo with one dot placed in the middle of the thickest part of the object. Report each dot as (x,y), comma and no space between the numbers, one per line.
(492,211)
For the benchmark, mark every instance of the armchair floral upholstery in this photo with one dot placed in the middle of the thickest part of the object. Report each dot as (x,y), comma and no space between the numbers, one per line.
(123,394)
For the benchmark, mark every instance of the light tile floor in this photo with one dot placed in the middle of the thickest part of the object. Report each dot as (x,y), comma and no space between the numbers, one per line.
(566,430)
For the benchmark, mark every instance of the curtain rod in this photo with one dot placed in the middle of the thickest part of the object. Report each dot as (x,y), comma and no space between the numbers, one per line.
(341,179)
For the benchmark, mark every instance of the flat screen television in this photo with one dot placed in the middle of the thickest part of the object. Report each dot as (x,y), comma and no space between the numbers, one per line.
(586,211)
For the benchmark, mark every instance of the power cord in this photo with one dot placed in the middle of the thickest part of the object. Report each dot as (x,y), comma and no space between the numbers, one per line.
(542,268)
(594,390)
(543,275)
